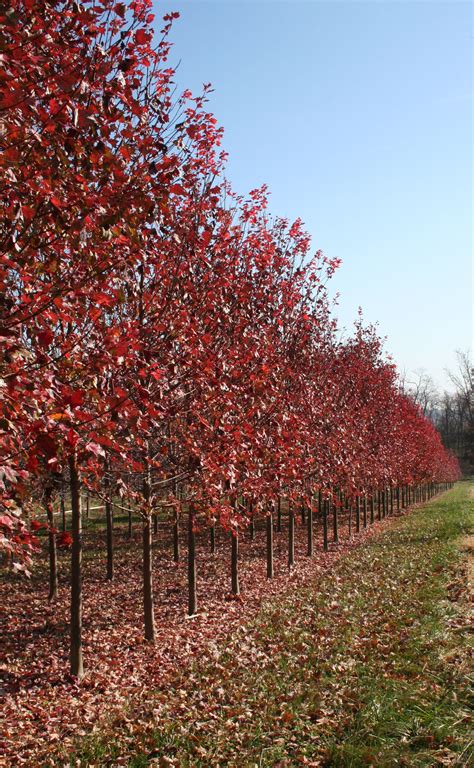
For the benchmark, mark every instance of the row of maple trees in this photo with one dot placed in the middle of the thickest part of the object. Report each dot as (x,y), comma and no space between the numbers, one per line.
(163,339)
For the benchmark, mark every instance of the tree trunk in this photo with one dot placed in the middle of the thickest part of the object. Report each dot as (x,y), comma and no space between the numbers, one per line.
(176,538)
(88,504)
(130,525)
(63,510)
(291,537)
(53,560)
(324,507)
(148,608)
(303,512)
(279,515)
(310,527)
(252,528)
(372,507)
(76,664)
(110,537)
(235,563)
(270,546)
(335,520)
(365,510)
(192,592)
(147,541)
(358,514)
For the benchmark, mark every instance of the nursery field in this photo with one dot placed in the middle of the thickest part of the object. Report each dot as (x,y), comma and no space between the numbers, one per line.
(231,533)
(358,656)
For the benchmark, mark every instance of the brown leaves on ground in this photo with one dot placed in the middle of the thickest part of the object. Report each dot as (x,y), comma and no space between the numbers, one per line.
(45,710)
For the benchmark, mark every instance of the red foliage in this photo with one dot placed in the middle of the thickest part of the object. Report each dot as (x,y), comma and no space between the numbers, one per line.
(171,336)
(64,540)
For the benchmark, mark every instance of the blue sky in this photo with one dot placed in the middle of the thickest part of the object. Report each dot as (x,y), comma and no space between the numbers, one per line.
(358,115)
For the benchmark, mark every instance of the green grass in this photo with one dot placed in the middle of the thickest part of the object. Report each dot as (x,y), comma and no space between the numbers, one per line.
(366,667)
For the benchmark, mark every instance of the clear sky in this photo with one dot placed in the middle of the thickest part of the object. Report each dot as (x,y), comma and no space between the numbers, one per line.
(358,115)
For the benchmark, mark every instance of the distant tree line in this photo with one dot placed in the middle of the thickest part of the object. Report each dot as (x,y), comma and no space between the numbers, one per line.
(451,412)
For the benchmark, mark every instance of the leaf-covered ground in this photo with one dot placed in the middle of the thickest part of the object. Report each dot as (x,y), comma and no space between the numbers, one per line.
(359,657)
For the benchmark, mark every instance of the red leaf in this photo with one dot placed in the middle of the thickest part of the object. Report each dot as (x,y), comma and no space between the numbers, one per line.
(45,338)
(77,397)
(103,299)
(6,521)
(64,540)
(142,36)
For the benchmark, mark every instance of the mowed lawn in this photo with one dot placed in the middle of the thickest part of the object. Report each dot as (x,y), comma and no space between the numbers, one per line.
(369,666)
